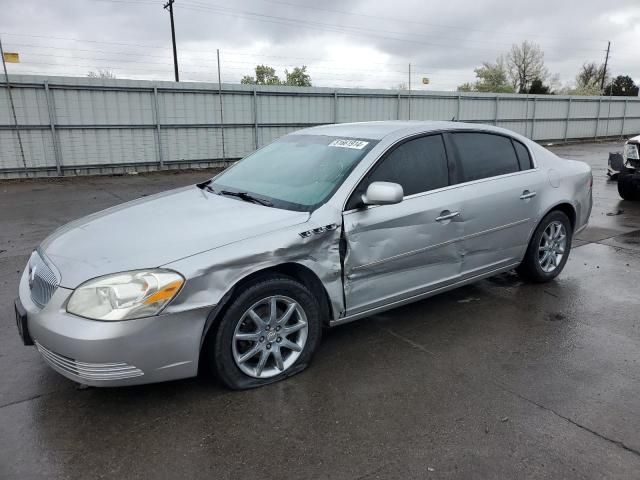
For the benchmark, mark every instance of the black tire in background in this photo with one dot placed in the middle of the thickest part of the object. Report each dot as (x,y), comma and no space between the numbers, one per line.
(220,349)
(626,187)
(530,269)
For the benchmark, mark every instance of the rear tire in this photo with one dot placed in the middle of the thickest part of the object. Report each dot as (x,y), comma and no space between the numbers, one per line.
(548,249)
(256,343)
(626,187)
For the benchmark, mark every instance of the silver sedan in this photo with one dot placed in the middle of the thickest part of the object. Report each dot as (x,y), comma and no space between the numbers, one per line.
(324,226)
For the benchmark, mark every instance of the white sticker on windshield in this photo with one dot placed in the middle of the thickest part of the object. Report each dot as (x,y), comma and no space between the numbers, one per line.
(344,143)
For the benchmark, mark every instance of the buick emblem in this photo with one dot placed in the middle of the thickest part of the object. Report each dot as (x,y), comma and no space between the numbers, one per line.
(32,275)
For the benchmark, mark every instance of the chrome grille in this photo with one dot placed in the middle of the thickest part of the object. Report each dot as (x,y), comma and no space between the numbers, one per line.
(43,281)
(89,371)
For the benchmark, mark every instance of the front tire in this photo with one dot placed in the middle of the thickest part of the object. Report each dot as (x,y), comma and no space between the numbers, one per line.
(269,332)
(548,249)
(626,187)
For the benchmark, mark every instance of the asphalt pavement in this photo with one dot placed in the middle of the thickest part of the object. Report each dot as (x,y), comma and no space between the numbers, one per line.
(500,379)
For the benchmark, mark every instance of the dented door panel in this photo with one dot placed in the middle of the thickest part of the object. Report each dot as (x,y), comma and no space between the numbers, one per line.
(397,251)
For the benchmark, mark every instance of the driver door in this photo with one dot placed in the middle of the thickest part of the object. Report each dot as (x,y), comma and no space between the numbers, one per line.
(398,251)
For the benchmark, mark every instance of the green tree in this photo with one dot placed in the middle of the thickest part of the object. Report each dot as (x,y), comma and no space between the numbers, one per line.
(466,87)
(492,77)
(265,75)
(298,77)
(622,86)
(538,87)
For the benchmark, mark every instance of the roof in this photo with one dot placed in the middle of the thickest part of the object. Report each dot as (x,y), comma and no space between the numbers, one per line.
(393,128)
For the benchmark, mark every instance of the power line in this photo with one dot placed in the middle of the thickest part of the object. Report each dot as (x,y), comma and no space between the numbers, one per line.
(404,21)
(344,29)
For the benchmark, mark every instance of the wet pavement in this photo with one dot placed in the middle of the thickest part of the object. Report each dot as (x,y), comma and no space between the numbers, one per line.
(499,379)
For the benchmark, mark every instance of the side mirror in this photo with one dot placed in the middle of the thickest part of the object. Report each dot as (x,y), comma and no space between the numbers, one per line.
(383,193)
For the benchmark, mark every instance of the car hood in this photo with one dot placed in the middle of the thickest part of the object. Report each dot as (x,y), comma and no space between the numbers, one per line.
(635,140)
(156,230)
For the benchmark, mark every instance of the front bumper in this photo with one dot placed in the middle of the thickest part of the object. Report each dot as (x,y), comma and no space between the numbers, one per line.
(130,352)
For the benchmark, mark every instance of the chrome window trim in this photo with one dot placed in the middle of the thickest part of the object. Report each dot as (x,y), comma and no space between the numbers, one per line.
(444,189)
(426,134)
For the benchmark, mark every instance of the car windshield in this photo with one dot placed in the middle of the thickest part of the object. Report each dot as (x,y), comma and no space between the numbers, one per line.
(296,172)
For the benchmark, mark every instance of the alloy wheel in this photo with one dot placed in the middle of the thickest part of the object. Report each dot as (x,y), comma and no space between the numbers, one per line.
(553,244)
(270,337)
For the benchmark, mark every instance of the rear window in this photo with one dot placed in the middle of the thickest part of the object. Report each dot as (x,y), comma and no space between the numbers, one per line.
(523,155)
(484,155)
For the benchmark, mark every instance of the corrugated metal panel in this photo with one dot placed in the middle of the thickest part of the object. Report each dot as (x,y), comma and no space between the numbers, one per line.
(31,106)
(38,149)
(478,109)
(433,108)
(95,107)
(632,126)
(295,109)
(191,144)
(362,108)
(110,124)
(581,129)
(90,146)
(188,108)
(551,109)
(584,108)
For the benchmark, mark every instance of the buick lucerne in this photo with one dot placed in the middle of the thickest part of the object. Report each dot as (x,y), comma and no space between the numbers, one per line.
(326,225)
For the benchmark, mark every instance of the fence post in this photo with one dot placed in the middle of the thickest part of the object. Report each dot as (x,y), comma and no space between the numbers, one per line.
(398,114)
(533,120)
(156,119)
(566,125)
(335,106)
(458,108)
(255,117)
(495,119)
(52,124)
(624,116)
(595,136)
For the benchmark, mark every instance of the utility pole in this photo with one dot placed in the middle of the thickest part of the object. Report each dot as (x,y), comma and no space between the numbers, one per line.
(221,105)
(13,107)
(409,108)
(169,5)
(604,70)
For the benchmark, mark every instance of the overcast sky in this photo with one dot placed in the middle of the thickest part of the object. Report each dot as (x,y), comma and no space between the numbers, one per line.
(344,43)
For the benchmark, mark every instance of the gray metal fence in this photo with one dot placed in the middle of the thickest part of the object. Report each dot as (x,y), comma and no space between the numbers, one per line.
(71,126)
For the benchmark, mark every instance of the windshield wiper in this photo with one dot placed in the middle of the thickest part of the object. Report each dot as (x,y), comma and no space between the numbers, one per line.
(247,197)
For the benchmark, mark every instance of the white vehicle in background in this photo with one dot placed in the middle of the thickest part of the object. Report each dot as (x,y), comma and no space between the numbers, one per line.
(629,176)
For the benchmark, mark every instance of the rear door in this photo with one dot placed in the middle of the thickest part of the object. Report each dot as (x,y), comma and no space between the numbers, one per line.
(501,189)
(397,251)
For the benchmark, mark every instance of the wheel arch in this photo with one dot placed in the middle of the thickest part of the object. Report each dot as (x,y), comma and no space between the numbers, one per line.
(293,270)
(568,209)
(565,207)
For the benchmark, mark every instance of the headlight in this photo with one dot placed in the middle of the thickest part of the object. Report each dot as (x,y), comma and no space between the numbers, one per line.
(125,296)
(631,152)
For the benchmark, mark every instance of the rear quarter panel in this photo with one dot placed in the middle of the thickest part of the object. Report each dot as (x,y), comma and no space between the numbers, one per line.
(568,181)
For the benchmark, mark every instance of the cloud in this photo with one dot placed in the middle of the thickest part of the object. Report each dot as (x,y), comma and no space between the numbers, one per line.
(343,42)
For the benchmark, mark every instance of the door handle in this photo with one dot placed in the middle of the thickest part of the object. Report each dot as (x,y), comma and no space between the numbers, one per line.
(527,194)
(446,215)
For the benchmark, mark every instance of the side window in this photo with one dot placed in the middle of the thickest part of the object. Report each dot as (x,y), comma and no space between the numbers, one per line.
(419,165)
(484,155)
(523,156)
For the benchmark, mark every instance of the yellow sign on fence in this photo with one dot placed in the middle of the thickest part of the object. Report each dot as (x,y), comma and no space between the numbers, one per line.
(10,57)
